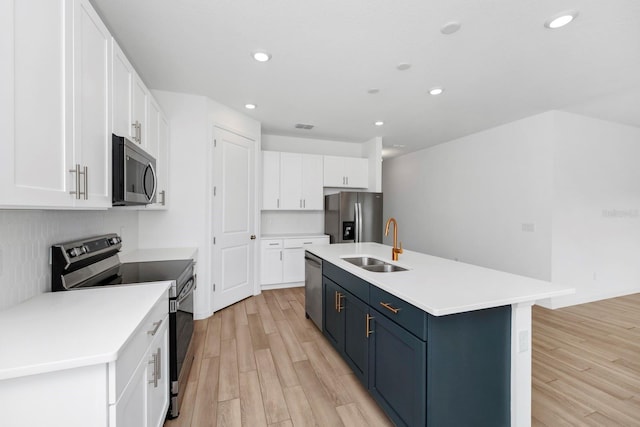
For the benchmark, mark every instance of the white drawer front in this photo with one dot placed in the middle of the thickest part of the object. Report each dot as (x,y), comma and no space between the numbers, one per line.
(301,243)
(141,339)
(271,244)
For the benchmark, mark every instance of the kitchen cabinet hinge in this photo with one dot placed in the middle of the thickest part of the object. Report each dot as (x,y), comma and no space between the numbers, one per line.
(214,287)
(214,240)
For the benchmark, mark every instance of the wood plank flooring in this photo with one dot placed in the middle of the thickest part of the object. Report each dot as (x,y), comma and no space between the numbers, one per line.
(261,363)
(586,364)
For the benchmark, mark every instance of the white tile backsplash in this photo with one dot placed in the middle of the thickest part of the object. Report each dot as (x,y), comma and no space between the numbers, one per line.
(284,222)
(26,236)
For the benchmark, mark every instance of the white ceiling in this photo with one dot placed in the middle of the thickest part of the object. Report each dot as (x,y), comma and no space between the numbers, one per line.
(502,65)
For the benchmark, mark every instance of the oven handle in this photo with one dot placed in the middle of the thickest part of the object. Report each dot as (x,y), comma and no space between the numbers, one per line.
(186,291)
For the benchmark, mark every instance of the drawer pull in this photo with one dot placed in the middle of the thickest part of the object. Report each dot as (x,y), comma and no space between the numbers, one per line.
(156,327)
(389,307)
(369,331)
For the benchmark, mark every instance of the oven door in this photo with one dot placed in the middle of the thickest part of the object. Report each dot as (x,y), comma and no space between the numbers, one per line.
(182,352)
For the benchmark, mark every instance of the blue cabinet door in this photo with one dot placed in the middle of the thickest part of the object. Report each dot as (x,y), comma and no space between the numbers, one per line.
(356,341)
(398,372)
(333,313)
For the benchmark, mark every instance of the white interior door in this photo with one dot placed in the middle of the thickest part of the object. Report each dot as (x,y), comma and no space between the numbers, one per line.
(233,218)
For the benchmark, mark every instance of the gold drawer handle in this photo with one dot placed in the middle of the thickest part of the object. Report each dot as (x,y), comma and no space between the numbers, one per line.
(369,331)
(389,307)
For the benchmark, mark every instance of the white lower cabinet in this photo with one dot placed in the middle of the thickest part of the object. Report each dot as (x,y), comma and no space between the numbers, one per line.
(282,260)
(112,371)
(140,375)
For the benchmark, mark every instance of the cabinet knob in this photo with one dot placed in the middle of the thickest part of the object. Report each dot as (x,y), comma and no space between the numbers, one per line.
(253,237)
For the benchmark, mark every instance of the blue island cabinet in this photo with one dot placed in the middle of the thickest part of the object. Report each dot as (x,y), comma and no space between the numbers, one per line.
(422,370)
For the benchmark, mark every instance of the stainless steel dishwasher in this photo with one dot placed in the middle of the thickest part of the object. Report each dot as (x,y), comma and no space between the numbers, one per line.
(313,288)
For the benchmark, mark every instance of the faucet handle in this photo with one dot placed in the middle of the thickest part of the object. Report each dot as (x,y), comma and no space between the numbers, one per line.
(398,250)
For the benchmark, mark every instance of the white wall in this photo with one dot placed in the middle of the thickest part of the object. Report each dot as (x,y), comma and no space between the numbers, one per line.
(372,149)
(596,215)
(294,144)
(186,222)
(27,236)
(468,199)
(573,180)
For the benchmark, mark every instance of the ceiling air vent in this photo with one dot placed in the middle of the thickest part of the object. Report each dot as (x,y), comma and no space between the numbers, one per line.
(303,126)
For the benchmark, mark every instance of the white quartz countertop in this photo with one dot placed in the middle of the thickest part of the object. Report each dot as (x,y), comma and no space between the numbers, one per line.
(64,330)
(293,236)
(440,286)
(159,254)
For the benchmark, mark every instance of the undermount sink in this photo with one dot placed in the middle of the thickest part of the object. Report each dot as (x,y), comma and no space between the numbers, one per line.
(363,261)
(384,268)
(373,264)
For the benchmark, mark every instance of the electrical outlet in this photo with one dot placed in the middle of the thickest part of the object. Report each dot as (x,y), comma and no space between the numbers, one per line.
(523,341)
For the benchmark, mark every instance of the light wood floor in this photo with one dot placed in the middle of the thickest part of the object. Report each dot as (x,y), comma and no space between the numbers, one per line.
(260,362)
(586,364)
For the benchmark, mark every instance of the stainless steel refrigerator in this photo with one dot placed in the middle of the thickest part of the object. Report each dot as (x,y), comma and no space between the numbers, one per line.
(352,216)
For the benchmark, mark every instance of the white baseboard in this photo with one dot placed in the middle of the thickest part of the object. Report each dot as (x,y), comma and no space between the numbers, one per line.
(282,285)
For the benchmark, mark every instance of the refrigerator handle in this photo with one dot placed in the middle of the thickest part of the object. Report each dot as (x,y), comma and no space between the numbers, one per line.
(359,222)
(356,225)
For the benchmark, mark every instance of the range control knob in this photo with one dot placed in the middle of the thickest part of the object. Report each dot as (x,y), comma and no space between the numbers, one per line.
(114,240)
(77,251)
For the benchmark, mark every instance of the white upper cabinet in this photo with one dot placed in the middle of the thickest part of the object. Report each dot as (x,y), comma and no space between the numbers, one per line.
(92,106)
(158,131)
(312,192)
(270,180)
(140,105)
(133,106)
(346,172)
(55,105)
(122,92)
(153,128)
(292,181)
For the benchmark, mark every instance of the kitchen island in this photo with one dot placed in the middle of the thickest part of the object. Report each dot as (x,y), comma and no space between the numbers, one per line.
(463,320)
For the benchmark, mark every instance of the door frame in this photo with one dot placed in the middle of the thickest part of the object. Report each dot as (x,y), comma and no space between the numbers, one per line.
(210,203)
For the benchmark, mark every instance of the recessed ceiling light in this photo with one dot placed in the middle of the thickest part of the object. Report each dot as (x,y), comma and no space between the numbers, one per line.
(250,106)
(450,27)
(436,91)
(379,123)
(403,66)
(373,91)
(561,19)
(261,56)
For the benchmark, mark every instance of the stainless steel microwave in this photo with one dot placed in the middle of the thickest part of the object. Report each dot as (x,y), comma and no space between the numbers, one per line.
(134,174)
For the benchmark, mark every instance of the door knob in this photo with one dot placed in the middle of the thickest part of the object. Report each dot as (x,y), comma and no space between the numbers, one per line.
(253,237)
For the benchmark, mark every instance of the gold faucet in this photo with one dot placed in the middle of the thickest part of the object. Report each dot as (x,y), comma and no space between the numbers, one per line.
(396,250)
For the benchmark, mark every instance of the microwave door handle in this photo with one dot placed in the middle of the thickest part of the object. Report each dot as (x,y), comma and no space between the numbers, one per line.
(155,183)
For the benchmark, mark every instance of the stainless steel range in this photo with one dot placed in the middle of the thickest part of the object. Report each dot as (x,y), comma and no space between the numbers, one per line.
(94,261)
